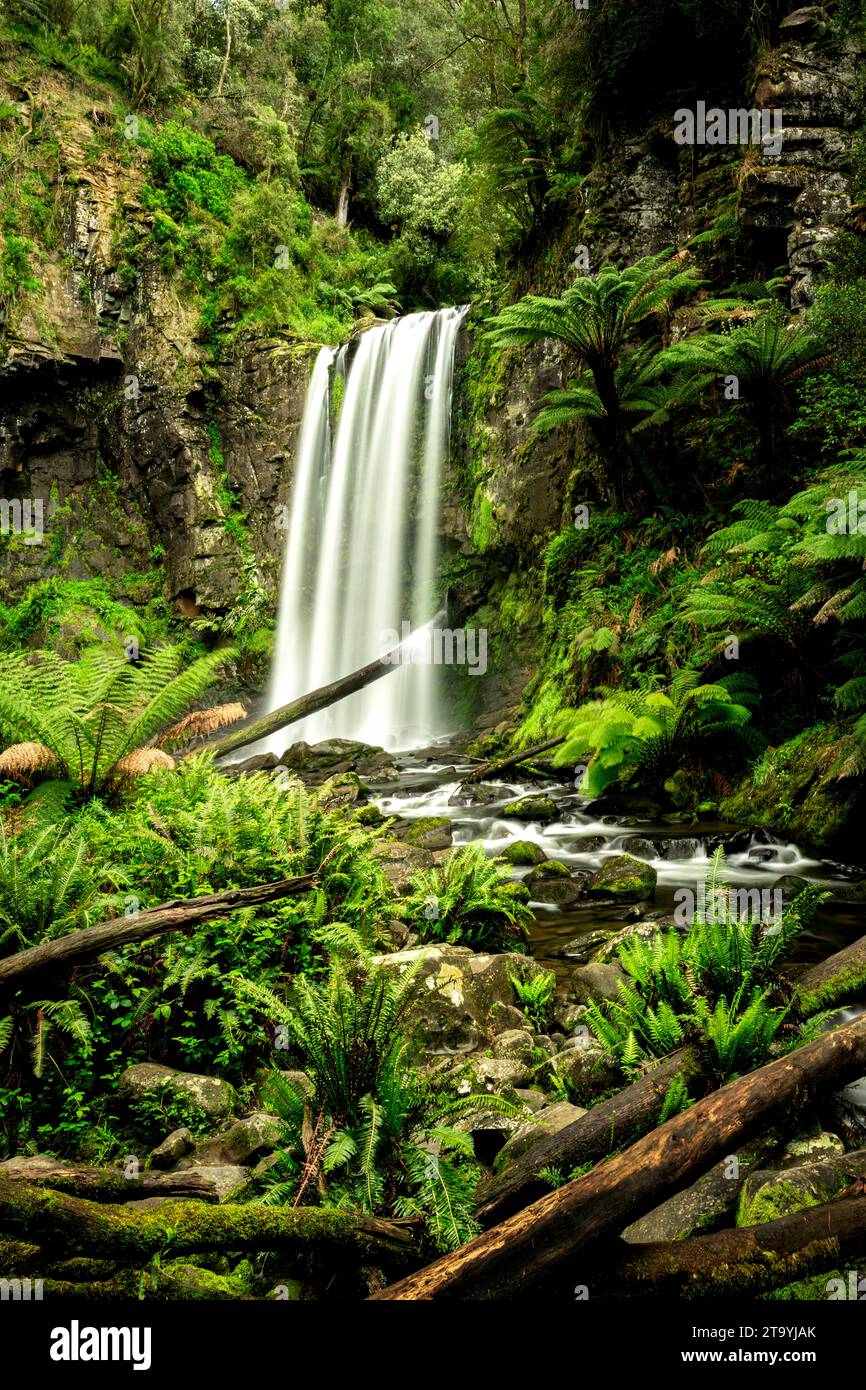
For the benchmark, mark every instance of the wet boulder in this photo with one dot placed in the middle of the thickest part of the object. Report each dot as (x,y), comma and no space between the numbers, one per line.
(523,852)
(537,806)
(624,878)
(427,832)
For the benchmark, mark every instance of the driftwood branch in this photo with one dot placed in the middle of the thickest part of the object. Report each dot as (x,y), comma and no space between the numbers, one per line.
(493,769)
(178,915)
(306,705)
(531,1246)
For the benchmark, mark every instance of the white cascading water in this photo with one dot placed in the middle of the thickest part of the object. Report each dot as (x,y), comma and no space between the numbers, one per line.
(361,549)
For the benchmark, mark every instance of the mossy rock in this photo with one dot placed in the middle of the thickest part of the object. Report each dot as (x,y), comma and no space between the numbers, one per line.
(429,832)
(519,891)
(369,815)
(523,852)
(627,879)
(768,1195)
(533,807)
(551,868)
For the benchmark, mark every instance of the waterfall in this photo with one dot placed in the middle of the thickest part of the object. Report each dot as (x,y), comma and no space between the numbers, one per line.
(361,548)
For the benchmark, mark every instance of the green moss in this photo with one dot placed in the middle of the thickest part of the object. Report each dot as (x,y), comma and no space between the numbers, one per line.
(484,526)
(523,852)
(624,878)
(534,807)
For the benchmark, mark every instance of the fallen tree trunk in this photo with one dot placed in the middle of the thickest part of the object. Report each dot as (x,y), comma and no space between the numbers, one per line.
(749,1260)
(178,915)
(110,1185)
(306,704)
(532,1245)
(76,1226)
(836,979)
(493,769)
(614,1124)
(634,1110)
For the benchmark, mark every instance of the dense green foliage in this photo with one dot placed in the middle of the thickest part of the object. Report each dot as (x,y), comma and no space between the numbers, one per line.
(714,985)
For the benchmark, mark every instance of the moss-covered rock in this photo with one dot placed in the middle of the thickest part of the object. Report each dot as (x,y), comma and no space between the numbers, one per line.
(428,832)
(536,806)
(627,879)
(523,852)
(551,868)
(804,790)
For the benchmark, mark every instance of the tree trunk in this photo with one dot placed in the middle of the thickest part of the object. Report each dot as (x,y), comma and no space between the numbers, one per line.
(493,769)
(110,1184)
(839,977)
(612,1125)
(74,1226)
(306,704)
(342,213)
(532,1246)
(178,915)
(751,1260)
(635,1109)
(224,68)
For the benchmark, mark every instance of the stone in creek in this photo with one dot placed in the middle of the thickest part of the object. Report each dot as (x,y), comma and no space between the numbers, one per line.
(681,849)
(428,832)
(559,892)
(591,845)
(643,931)
(538,807)
(550,868)
(401,862)
(474,794)
(597,982)
(582,947)
(523,852)
(641,848)
(625,879)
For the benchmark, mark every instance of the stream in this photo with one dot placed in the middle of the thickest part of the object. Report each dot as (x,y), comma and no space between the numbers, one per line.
(428,784)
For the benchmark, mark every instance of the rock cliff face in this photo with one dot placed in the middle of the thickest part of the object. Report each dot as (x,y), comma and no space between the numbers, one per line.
(114,414)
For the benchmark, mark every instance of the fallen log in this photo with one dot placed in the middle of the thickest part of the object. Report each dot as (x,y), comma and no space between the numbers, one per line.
(110,1185)
(531,1246)
(839,977)
(634,1110)
(75,1226)
(748,1260)
(305,705)
(614,1124)
(179,915)
(493,769)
